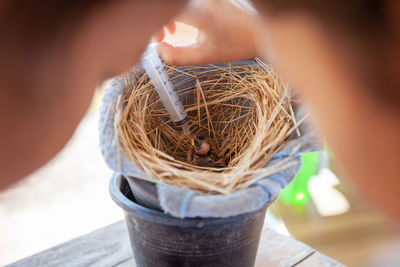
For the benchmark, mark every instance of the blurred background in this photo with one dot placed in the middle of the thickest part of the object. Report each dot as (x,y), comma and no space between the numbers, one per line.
(68,197)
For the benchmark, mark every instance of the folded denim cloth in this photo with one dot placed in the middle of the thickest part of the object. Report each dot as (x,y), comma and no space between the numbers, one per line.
(182,202)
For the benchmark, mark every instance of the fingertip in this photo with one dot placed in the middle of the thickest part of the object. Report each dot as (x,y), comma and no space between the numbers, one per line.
(164,50)
(179,55)
(159,36)
(162,47)
(171,27)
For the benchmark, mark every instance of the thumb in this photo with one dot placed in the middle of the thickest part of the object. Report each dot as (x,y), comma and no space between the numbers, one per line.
(193,54)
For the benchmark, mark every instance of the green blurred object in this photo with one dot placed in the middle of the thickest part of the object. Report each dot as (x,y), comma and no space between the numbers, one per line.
(296,193)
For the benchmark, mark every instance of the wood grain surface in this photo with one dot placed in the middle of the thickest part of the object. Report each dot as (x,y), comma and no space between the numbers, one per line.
(109,246)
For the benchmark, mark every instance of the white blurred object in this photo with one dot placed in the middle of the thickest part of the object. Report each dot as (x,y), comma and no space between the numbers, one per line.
(326,198)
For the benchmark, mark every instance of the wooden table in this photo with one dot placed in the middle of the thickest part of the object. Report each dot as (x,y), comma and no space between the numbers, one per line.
(110,246)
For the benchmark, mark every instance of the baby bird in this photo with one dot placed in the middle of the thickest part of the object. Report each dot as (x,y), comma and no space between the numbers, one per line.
(201,146)
(200,154)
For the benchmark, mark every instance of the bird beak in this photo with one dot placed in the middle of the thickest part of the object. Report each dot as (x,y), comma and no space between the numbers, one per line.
(191,137)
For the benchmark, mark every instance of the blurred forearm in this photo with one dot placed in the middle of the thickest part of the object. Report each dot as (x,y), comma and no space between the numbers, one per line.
(47,84)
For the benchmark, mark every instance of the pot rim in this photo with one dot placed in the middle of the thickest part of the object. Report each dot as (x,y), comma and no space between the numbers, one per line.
(133,209)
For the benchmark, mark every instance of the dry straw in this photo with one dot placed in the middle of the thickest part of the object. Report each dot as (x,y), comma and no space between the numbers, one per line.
(245,110)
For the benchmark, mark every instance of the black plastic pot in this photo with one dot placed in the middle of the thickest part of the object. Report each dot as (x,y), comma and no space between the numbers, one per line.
(158,239)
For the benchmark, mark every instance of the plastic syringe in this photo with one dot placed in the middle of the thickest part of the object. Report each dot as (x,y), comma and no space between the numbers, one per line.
(154,67)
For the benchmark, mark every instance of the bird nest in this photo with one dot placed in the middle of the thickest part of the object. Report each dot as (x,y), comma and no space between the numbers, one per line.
(244,110)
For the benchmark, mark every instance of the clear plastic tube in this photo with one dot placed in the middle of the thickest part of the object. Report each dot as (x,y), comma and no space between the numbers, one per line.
(154,67)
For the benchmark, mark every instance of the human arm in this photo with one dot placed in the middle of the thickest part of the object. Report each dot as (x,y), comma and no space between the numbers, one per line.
(48,80)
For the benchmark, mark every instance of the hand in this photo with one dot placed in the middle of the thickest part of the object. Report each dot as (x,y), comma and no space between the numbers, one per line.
(226,33)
